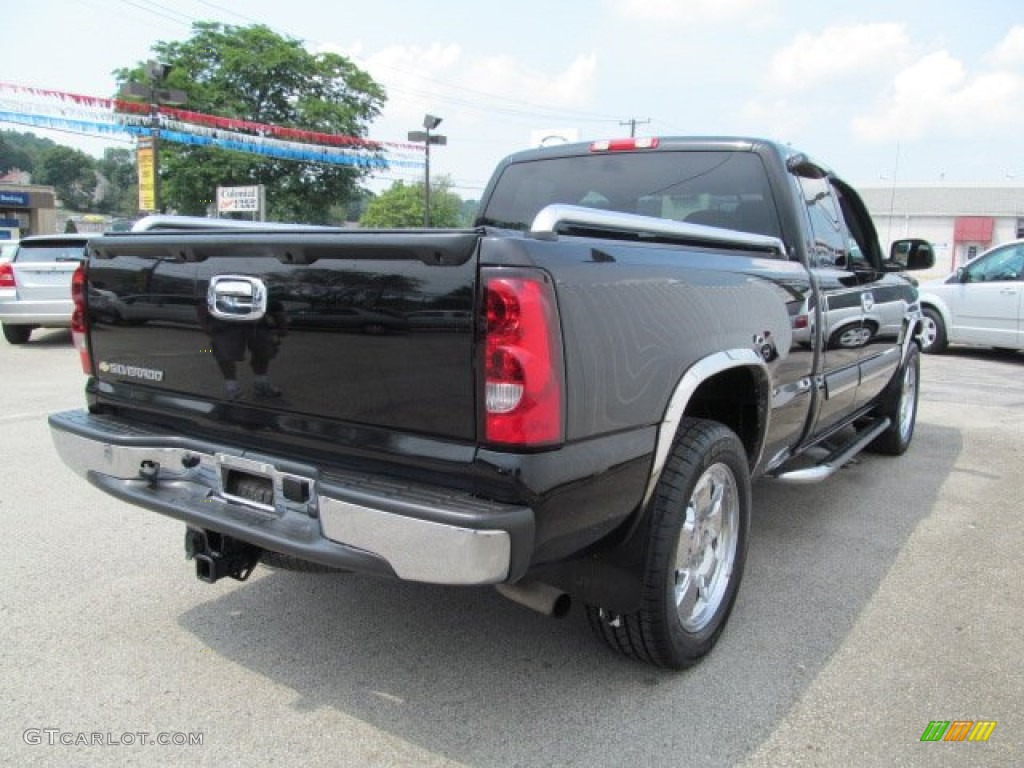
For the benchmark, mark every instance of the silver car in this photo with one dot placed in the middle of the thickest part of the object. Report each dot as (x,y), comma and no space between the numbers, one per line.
(35,285)
(981,303)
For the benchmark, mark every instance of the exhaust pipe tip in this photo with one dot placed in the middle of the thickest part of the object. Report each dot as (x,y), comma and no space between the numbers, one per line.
(542,598)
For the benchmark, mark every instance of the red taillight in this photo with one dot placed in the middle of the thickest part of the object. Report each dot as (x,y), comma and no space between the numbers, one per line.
(80,318)
(7,276)
(624,145)
(523,371)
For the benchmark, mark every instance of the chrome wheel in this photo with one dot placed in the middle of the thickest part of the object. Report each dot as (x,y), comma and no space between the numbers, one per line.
(706,551)
(695,546)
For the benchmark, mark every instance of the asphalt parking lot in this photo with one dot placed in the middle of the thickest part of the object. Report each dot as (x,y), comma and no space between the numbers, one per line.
(883,599)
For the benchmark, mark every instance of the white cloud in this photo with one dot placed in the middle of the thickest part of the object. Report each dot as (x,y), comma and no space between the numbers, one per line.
(936,94)
(571,88)
(1010,52)
(680,10)
(422,77)
(489,103)
(778,118)
(838,52)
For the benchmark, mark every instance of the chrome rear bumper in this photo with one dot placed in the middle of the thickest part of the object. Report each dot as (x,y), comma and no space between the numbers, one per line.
(343,519)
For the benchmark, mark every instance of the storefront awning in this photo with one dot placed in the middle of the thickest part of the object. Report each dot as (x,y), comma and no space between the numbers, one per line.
(973,229)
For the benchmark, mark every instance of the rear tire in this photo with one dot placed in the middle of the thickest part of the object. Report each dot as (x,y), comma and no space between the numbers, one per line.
(933,333)
(17,334)
(899,403)
(695,552)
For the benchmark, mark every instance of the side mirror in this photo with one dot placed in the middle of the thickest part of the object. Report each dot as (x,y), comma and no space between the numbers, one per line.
(961,275)
(912,254)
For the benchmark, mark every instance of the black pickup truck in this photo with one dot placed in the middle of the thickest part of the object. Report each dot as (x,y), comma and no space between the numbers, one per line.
(569,400)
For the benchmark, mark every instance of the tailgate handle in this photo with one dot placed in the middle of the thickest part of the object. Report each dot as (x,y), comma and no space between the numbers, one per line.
(237,297)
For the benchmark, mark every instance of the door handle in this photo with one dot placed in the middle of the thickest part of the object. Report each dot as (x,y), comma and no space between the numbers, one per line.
(237,297)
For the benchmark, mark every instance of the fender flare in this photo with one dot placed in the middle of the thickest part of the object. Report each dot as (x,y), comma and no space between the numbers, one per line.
(690,382)
(915,324)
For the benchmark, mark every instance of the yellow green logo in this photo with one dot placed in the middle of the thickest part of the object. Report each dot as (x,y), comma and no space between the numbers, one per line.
(958,730)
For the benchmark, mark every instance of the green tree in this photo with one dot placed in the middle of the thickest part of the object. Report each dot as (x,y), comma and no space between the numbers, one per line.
(356,207)
(252,73)
(22,150)
(467,212)
(71,173)
(120,182)
(12,156)
(401,206)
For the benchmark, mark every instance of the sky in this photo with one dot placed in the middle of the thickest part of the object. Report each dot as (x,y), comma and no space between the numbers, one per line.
(894,91)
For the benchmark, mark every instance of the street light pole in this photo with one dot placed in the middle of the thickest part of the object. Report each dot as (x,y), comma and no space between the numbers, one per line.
(430,122)
(426,187)
(154,134)
(156,73)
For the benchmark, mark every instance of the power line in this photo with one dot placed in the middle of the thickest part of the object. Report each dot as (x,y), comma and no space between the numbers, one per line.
(499,103)
(228,10)
(158,13)
(512,106)
(124,14)
(472,99)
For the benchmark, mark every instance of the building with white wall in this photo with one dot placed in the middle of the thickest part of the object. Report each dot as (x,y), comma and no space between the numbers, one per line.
(960,220)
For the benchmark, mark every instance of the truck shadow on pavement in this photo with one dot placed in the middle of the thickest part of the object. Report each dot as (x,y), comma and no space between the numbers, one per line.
(467,675)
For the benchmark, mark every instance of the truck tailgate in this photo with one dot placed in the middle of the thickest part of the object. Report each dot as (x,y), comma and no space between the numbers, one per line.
(364,327)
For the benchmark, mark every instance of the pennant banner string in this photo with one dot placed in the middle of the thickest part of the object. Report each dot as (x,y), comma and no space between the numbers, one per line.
(117,105)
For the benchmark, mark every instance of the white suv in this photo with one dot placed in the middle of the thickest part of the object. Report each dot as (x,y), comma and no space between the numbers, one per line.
(35,285)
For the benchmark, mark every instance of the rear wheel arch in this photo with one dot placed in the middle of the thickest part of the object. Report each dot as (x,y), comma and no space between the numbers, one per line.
(937,307)
(933,327)
(730,387)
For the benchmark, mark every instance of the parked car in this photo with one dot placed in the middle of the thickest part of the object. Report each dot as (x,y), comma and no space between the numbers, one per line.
(981,303)
(35,285)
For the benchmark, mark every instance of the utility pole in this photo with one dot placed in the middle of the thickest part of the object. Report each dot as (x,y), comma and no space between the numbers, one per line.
(632,123)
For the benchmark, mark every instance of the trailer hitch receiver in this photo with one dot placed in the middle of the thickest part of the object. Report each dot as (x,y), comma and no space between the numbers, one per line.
(217,555)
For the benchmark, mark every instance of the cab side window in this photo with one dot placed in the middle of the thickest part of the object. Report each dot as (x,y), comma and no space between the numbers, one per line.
(1002,265)
(831,241)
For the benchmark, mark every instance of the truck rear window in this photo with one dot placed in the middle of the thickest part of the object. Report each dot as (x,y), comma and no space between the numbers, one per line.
(713,188)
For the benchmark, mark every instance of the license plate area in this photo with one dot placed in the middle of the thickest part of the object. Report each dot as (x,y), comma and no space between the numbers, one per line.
(262,486)
(246,487)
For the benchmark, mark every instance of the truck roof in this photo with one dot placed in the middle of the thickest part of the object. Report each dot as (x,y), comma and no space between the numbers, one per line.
(662,143)
(666,144)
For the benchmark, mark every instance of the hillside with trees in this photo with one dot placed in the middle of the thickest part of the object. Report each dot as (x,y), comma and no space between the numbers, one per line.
(82,182)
